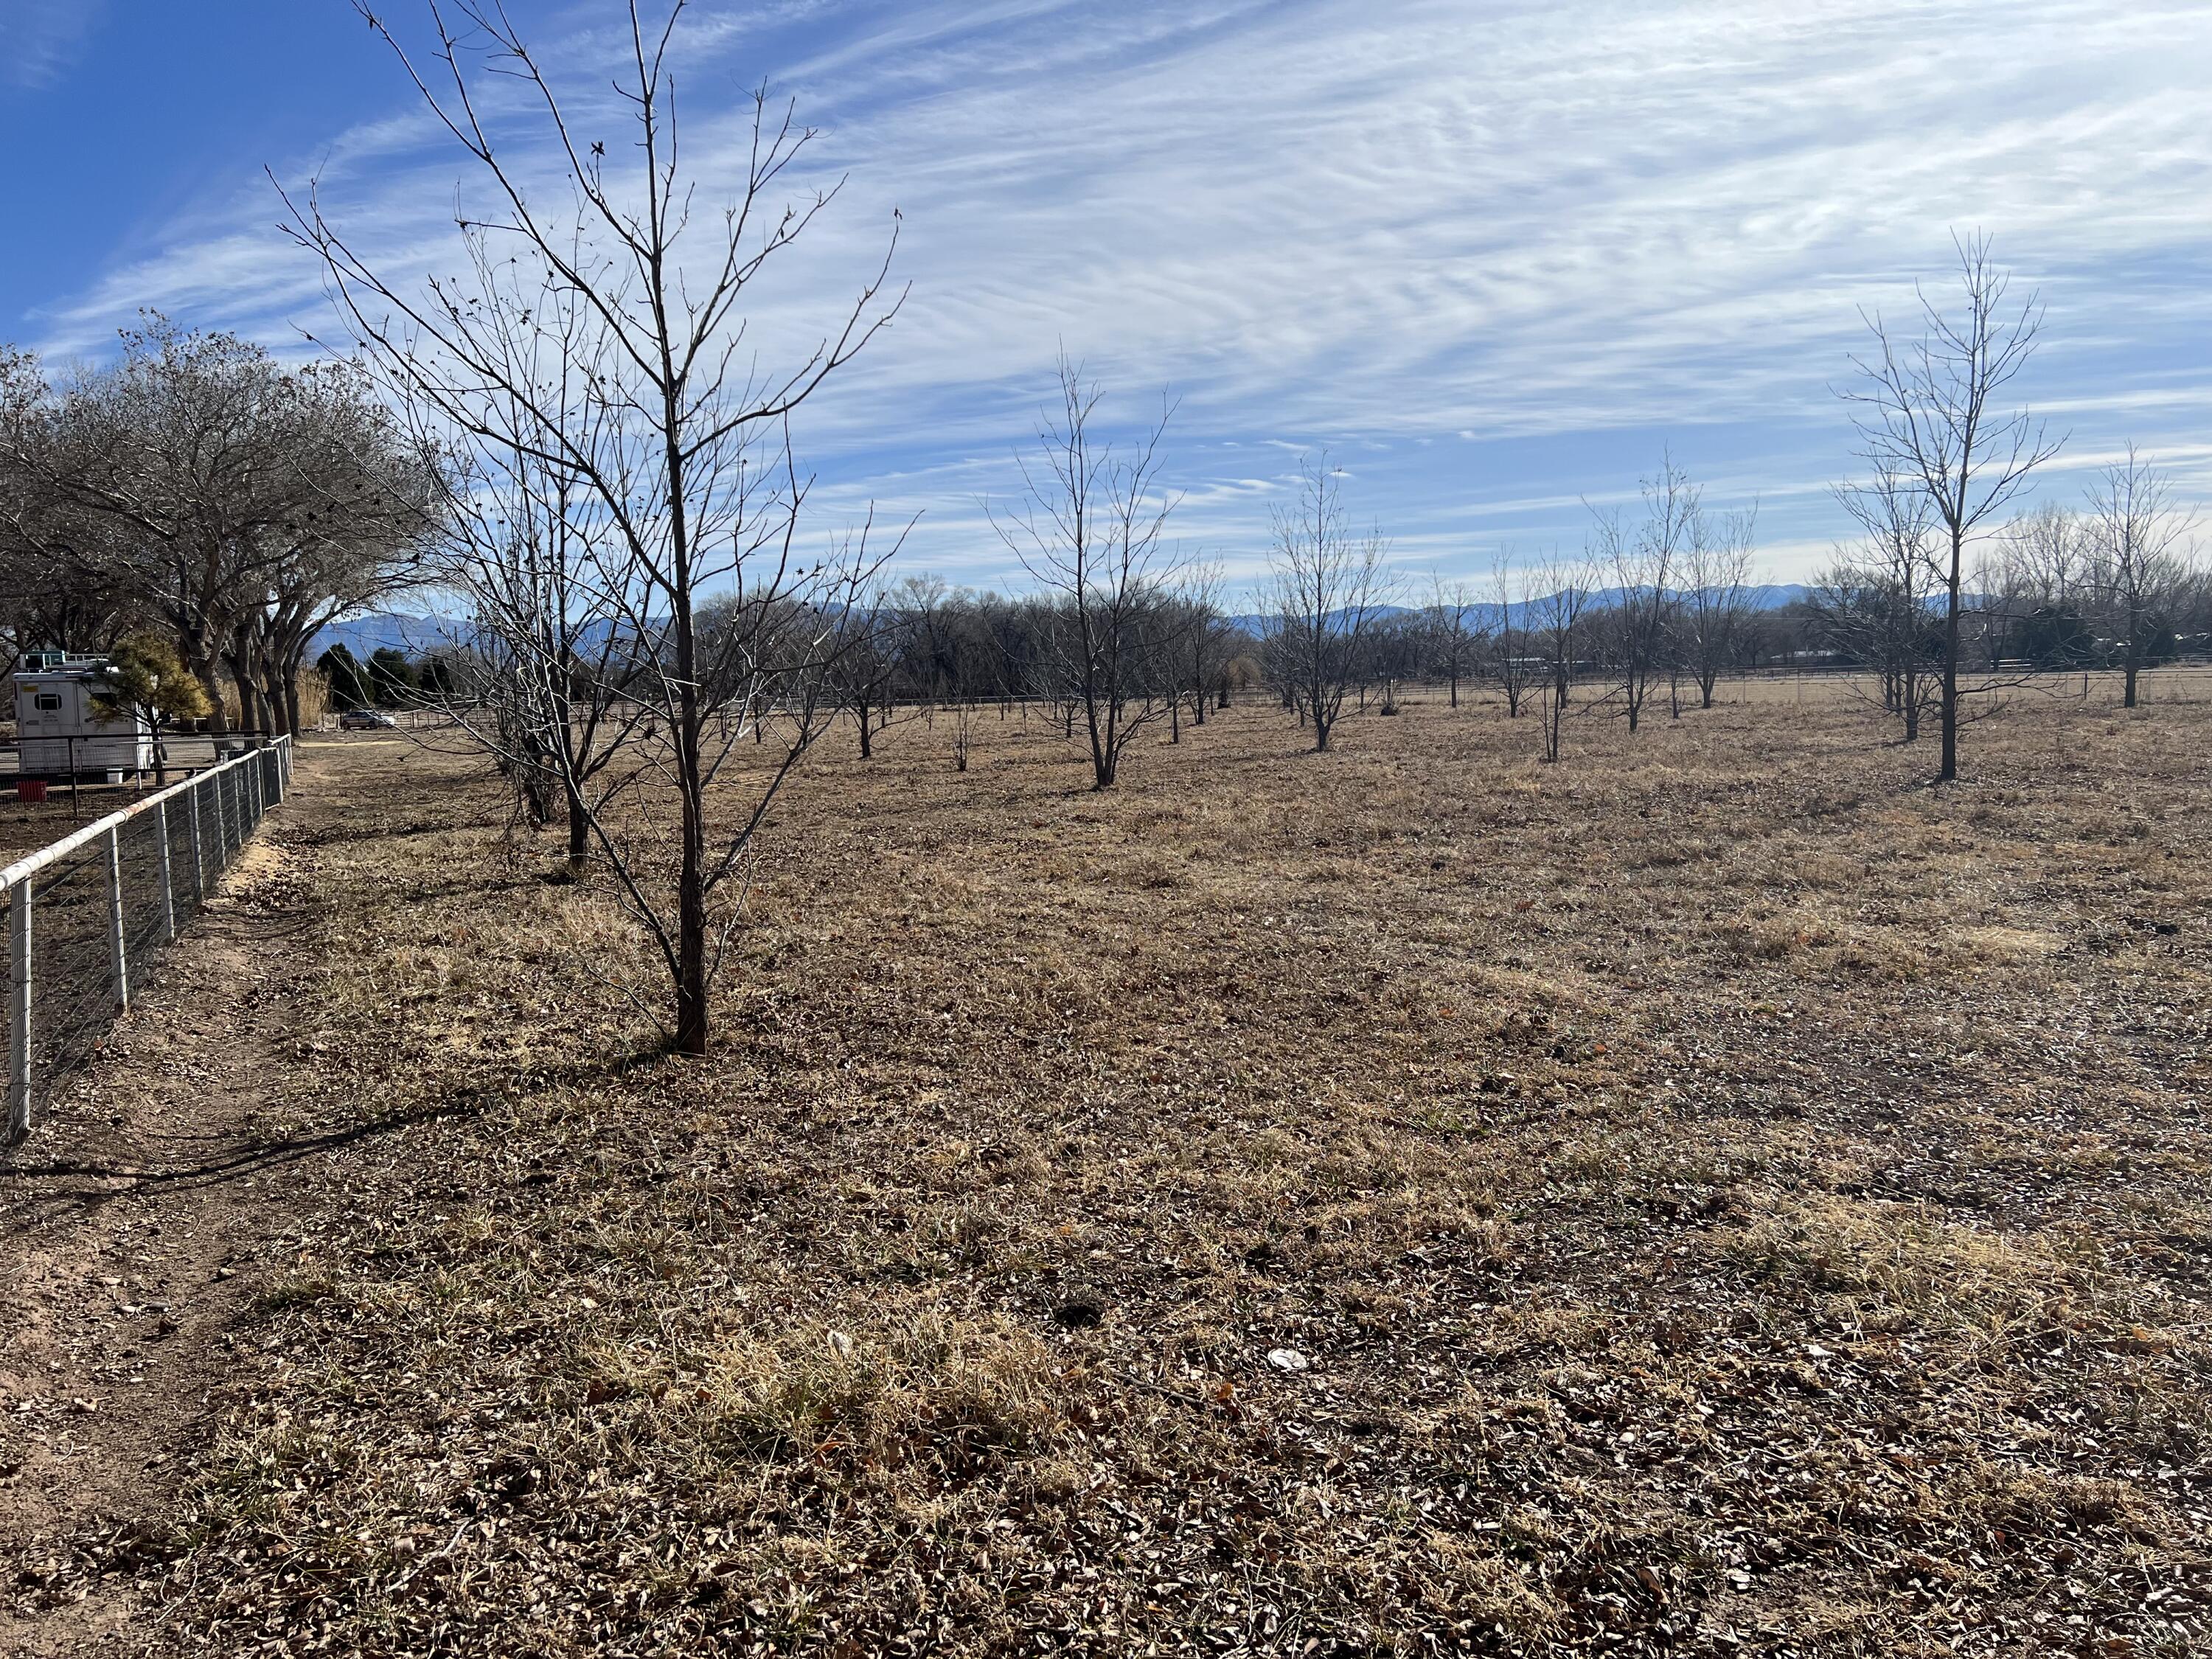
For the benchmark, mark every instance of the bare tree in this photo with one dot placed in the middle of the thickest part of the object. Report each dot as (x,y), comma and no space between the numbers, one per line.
(1513,663)
(1642,564)
(172,443)
(2030,604)
(1716,606)
(198,481)
(1557,619)
(1091,535)
(1454,635)
(542,678)
(1874,606)
(867,671)
(677,442)
(1930,415)
(1326,585)
(1204,632)
(364,493)
(2044,557)
(68,577)
(2138,569)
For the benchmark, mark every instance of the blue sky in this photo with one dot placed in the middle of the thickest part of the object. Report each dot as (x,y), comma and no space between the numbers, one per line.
(1492,258)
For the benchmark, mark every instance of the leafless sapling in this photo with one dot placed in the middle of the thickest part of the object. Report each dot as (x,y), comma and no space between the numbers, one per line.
(1091,533)
(1326,587)
(1558,621)
(678,441)
(1931,413)
(2138,565)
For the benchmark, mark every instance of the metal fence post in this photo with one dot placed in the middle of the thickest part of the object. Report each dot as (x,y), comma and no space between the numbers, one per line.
(115,920)
(199,863)
(168,889)
(19,1012)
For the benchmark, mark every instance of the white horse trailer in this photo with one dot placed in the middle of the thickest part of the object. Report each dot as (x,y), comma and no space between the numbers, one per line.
(62,731)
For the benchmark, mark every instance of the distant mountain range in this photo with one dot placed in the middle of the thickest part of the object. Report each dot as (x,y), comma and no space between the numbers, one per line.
(418,635)
(382,631)
(1765,596)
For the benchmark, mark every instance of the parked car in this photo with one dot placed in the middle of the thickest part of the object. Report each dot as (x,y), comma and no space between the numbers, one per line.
(365,720)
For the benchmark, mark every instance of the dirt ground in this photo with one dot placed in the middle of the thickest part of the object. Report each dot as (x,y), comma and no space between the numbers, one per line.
(1719,1195)
(134,1220)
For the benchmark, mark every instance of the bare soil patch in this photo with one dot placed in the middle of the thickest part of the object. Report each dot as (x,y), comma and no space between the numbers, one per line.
(140,1221)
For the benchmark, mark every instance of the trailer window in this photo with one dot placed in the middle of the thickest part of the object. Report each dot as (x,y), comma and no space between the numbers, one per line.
(48,703)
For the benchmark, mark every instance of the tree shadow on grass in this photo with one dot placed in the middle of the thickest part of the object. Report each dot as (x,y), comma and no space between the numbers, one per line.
(248,1158)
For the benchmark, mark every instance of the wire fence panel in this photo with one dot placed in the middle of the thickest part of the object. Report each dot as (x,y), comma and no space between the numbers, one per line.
(85,919)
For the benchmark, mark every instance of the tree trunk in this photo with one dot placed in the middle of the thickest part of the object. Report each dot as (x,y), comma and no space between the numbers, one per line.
(218,721)
(579,829)
(1950,712)
(691,891)
(241,685)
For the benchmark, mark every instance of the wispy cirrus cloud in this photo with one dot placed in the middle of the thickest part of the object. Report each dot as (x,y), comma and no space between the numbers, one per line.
(1502,252)
(39,39)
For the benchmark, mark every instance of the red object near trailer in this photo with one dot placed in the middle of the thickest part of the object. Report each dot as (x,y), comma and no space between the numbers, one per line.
(31,790)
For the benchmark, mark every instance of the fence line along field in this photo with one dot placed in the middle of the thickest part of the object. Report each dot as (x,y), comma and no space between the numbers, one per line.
(1718,1194)
(84,915)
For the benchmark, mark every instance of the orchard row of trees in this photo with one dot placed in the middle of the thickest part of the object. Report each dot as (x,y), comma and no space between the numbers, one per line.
(197,497)
(1668,603)
(575,441)
(2112,584)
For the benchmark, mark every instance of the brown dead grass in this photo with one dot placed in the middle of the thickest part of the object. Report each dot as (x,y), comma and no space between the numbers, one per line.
(1727,1197)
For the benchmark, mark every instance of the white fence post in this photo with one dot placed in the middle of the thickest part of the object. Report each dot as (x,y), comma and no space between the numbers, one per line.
(199,863)
(115,919)
(19,1012)
(168,890)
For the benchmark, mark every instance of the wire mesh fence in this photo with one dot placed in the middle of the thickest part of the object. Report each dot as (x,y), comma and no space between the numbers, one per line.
(86,917)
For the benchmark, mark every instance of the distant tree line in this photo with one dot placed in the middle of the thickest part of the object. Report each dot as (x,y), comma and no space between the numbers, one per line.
(390,678)
(2109,586)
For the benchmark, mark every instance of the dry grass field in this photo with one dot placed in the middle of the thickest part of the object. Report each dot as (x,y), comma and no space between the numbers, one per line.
(1719,1195)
